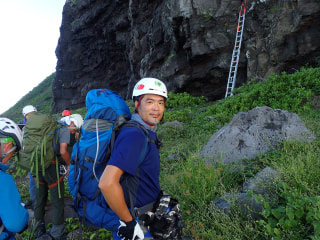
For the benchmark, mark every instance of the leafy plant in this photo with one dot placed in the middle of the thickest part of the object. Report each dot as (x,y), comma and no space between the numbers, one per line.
(183,100)
(207,16)
(298,214)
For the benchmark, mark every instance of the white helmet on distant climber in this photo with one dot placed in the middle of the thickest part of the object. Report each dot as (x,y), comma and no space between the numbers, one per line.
(78,118)
(28,109)
(149,86)
(75,118)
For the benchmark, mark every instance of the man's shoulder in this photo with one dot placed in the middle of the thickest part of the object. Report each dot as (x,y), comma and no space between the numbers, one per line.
(63,131)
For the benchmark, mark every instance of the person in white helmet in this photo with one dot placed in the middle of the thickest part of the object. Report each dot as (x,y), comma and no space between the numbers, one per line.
(74,122)
(149,96)
(57,232)
(26,111)
(13,216)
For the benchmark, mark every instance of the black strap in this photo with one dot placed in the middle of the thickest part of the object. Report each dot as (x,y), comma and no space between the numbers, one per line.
(137,212)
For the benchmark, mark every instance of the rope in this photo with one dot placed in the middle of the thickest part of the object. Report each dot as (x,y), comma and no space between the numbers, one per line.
(97,152)
(57,172)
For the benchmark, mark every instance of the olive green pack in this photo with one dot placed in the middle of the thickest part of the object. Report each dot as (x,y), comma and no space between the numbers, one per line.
(37,150)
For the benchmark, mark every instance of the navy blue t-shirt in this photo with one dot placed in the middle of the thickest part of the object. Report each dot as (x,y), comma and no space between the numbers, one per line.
(144,177)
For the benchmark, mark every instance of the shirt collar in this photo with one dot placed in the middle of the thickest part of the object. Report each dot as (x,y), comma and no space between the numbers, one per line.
(136,117)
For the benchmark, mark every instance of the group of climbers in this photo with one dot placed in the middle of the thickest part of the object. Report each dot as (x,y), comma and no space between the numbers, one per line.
(149,97)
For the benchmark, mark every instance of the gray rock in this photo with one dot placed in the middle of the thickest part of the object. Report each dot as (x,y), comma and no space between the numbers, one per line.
(263,183)
(246,205)
(253,132)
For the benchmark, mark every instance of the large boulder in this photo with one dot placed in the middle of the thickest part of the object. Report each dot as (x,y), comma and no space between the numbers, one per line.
(253,132)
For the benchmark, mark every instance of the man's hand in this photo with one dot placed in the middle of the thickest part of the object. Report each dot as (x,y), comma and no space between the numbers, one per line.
(130,230)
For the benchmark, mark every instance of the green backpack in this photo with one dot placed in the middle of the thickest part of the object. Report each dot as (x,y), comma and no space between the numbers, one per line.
(37,150)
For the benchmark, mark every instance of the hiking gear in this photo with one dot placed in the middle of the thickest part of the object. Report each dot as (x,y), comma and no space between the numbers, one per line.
(9,132)
(75,118)
(28,109)
(8,140)
(149,86)
(166,221)
(66,113)
(130,230)
(78,118)
(63,170)
(8,128)
(107,115)
(38,152)
(40,145)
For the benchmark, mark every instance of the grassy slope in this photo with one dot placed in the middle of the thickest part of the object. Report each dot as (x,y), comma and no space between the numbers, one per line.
(41,97)
(187,178)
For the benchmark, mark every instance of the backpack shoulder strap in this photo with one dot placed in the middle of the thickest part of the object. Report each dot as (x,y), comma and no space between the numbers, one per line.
(116,130)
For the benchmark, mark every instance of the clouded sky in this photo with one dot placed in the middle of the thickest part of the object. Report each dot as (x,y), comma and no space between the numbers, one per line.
(29,33)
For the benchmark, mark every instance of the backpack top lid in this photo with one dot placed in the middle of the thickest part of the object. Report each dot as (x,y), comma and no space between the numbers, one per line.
(105,104)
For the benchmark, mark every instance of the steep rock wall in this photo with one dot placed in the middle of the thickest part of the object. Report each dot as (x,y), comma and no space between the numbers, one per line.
(186,43)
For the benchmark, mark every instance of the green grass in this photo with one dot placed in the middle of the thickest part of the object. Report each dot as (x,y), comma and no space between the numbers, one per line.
(295,214)
(196,184)
(41,97)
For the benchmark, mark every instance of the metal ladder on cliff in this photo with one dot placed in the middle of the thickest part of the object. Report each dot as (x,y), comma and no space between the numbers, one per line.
(236,51)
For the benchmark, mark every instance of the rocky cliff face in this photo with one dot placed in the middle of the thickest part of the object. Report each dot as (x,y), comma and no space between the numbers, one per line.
(186,43)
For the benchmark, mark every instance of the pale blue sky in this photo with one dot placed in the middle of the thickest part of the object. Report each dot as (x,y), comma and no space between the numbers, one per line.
(29,33)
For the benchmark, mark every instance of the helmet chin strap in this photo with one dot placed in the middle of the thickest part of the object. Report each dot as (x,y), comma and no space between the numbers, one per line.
(151,125)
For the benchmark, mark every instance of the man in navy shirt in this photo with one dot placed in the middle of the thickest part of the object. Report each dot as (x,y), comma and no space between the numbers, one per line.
(149,96)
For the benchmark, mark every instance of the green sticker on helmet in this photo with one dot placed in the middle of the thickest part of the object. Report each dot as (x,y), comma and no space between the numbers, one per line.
(157,83)
(8,140)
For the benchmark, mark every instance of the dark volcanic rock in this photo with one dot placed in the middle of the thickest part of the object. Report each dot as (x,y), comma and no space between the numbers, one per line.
(187,44)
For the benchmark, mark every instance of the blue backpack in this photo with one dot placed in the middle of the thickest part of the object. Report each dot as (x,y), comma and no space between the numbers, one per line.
(107,114)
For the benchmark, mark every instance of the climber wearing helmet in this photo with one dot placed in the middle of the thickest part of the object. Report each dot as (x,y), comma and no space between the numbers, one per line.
(26,111)
(65,113)
(51,181)
(13,216)
(74,123)
(149,96)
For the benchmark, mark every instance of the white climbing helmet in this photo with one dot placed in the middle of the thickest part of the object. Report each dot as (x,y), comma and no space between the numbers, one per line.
(8,128)
(78,118)
(150,86)
(75,118)
(28,109)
